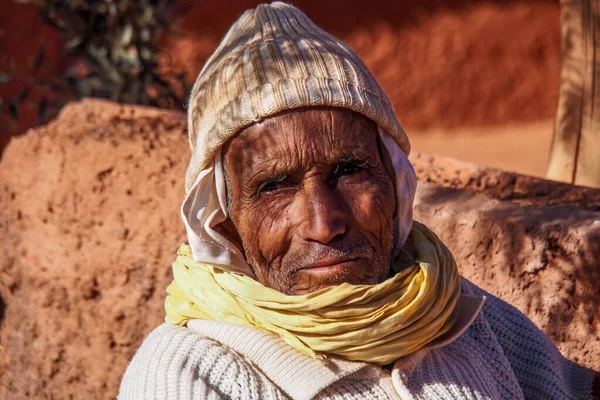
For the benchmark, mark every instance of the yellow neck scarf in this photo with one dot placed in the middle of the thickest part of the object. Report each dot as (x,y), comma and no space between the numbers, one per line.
(372,323)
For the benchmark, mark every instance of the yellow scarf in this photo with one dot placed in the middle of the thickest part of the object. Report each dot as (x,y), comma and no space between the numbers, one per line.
(372,323)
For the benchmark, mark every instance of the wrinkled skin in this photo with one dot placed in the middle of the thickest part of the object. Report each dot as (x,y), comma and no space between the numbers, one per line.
(312,200)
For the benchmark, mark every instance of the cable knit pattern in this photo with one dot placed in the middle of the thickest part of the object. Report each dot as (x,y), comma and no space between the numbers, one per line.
(541,374)
(502,355)
(351,388)
(177,363)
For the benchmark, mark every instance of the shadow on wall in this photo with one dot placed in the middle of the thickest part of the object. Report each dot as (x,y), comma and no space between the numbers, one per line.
(443,64)
(542,260)
(339,17)
(2,310)
(568,259)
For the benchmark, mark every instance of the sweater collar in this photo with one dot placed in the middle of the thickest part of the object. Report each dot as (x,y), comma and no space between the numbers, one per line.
(302,377)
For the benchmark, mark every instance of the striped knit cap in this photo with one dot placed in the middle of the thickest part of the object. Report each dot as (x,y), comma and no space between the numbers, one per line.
(273,59)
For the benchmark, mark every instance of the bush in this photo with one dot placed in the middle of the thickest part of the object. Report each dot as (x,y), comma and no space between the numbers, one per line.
(113,54)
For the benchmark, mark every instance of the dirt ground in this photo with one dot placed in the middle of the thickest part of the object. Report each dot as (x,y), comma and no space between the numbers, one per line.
(90,225)
(522,147)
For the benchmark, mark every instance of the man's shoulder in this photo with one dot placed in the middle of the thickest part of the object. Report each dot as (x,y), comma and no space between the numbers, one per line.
(470,289)
(169,339)
(493,306)
(182,363)
(530,353)
(168,344)
(175,362)
(509,325)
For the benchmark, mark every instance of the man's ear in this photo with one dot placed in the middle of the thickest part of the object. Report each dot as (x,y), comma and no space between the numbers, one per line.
(228,231)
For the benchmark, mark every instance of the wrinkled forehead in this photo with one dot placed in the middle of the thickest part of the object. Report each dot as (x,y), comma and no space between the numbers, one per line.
(309,135)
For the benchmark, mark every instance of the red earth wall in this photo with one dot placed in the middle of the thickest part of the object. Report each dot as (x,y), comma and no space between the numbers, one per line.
(90,224)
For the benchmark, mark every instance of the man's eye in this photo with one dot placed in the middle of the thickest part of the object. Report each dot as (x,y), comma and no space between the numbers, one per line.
(349,168)
(273,184)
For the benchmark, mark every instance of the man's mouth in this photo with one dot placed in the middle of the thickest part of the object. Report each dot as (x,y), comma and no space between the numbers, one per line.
(330,265)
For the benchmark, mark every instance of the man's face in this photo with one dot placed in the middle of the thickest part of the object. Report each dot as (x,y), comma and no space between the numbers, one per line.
(311,200)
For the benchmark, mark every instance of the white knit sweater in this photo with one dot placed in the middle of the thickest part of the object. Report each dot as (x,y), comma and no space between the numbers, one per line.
(500,355)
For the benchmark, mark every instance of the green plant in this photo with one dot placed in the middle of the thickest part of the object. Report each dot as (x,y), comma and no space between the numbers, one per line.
(112,52)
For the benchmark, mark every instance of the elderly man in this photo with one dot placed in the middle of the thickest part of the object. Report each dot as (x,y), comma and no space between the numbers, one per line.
(305,275)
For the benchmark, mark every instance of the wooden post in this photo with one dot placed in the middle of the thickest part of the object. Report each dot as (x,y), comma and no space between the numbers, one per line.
(575,153)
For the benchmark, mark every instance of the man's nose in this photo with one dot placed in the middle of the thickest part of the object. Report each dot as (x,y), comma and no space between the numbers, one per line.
(322,215)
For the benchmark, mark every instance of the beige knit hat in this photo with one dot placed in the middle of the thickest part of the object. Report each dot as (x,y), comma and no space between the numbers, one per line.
(273,59)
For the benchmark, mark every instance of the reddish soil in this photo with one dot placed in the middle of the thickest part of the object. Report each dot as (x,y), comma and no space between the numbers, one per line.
(90,225)
(498,184)
(522,147)
(534,243)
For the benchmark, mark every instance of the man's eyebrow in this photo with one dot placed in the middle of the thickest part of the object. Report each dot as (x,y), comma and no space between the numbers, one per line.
(264,175)
(359,155)
(277,171)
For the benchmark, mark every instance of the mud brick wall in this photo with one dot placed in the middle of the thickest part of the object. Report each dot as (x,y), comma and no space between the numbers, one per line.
(89,226)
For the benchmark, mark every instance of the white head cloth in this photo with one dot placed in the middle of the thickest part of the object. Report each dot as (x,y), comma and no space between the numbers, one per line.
(205,207)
